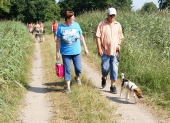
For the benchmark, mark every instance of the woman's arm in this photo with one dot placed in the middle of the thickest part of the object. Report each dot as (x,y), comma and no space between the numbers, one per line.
(58,43)
(84,44)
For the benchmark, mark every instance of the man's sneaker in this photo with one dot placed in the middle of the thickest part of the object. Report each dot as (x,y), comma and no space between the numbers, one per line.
(68,91)
(78,81)
(103,82)
(113,90)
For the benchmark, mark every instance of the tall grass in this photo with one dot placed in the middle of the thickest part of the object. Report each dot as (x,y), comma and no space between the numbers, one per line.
(145,51)
(15,49)
(48,27)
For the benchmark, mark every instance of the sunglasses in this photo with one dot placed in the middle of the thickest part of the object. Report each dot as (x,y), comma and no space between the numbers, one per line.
(111,15)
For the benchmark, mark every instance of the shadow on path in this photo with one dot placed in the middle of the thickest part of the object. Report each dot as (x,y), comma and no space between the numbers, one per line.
(48,87)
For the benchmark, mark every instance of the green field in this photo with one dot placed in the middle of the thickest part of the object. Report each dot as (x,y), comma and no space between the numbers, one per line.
(145,56)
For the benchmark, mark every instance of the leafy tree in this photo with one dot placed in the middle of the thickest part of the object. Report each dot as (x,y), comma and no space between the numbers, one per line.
(149,7)
(32,10)
(122,4)
(81,6)
(163,4)
(67,5)
(4,7)
(53,12)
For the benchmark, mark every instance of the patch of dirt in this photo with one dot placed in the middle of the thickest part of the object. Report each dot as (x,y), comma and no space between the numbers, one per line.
(37,107)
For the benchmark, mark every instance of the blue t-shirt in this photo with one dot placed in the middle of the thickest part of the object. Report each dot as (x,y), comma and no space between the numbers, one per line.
(70,39)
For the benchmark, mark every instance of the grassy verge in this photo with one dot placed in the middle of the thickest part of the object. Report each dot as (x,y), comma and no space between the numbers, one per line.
(84,105)
(145,52)
(16,51)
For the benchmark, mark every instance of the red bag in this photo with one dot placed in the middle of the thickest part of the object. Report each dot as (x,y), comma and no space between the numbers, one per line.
(59,70)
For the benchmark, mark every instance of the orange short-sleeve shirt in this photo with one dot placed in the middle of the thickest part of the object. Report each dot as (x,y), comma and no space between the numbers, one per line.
(110,36)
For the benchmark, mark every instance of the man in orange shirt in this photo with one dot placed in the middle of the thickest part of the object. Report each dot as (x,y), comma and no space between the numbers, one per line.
(54,29)
(109,36)
(30,27)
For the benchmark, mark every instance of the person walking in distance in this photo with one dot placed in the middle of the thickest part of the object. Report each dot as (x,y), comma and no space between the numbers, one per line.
(69,40)
(37,26)
(54,29)
(30,26)
(37,30)
(41,27)
(109,37)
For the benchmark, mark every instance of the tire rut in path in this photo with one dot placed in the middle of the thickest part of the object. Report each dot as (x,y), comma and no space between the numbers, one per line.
(36,108)
(128,112)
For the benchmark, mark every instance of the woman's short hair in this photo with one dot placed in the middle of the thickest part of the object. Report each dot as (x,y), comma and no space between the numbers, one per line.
(68,15)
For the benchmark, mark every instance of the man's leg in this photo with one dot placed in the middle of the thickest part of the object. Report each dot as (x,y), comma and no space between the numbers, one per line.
(114,72)
(105,69)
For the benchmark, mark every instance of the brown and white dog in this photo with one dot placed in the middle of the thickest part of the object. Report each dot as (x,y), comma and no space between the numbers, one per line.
(130,87)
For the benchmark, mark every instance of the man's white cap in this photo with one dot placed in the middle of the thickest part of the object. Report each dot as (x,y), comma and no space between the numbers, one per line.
(111,11)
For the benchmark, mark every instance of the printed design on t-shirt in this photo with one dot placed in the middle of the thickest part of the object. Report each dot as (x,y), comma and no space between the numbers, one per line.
(70,36)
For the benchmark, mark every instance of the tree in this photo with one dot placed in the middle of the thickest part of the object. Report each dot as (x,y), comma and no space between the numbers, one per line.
(5,5)
(81,6)
(123,4)
(149,7)
(32,10)
(163,4)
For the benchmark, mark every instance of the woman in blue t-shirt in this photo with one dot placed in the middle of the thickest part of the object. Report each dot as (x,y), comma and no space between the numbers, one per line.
(69,39)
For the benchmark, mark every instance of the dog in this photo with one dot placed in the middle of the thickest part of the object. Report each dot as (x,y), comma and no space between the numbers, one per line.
(130,87)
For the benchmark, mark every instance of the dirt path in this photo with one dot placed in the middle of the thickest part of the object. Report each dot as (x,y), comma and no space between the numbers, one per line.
(36,107)
(128,112)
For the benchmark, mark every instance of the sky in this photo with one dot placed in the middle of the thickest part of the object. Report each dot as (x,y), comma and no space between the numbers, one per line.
(137,4)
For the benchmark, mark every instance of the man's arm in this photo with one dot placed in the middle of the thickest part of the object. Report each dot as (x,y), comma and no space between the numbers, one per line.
(98,42)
